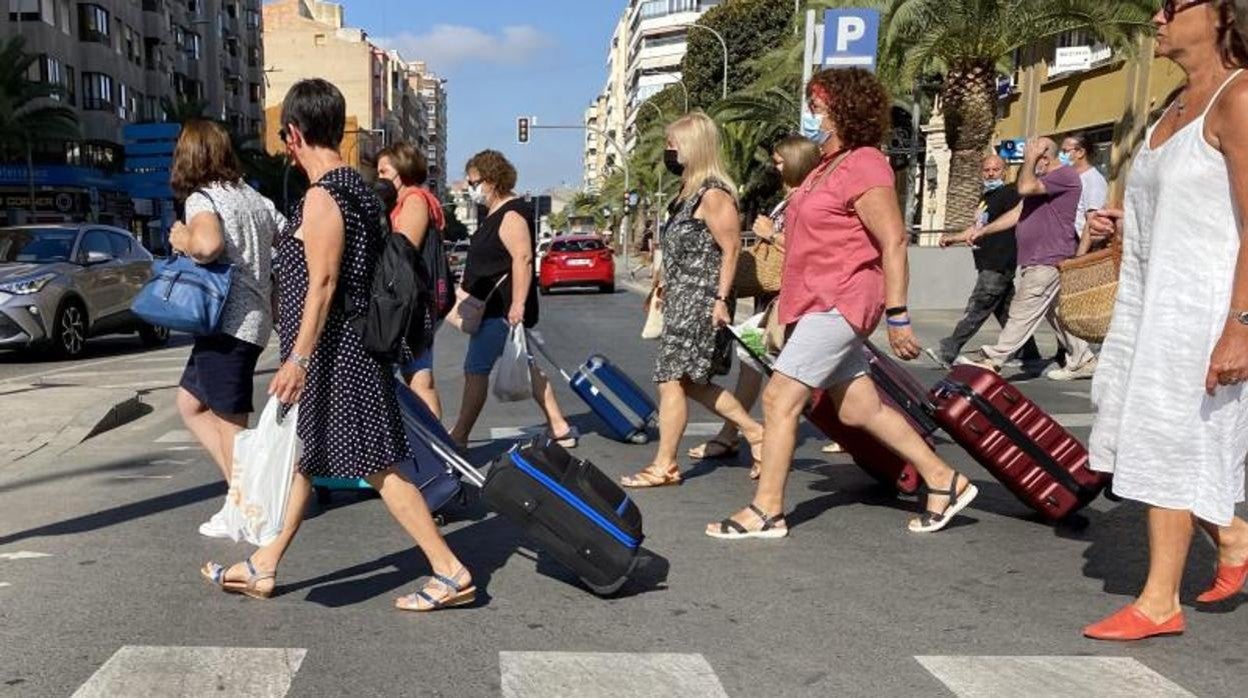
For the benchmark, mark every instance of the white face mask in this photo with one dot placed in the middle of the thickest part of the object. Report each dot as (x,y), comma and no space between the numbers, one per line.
(477,194)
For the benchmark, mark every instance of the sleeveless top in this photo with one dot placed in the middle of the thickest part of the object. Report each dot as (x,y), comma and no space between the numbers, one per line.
(1167,442)
(489,261)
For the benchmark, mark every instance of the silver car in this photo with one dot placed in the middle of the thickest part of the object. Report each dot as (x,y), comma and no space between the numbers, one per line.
(60,284)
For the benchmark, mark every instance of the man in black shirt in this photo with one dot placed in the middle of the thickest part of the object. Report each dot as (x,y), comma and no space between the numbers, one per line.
(996,260)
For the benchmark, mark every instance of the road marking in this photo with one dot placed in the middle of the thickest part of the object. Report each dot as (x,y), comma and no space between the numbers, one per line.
(593,674)
(5,584)
(81,365)
(177,436)
(142,477)
(1075,421)
(1104,677)
(118,372)
(522,433)
(23,555)
(180,448)
(1076,393)
(195,671)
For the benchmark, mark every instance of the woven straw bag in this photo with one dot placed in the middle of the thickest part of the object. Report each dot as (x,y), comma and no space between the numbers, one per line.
(759,269)
(1089,285)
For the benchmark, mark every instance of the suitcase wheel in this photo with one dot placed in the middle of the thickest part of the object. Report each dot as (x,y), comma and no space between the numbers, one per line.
(609,589)
(639,439)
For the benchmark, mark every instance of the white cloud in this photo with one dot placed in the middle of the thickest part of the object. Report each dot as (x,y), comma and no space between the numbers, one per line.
(447,46)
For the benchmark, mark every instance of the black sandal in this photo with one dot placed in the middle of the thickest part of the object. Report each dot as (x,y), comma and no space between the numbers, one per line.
(932,521)
(773,527)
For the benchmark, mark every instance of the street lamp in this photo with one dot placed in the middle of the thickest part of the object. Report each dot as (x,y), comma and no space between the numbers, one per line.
(724,45)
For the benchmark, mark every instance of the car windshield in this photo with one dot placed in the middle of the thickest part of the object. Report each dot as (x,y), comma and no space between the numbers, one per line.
(577,246)
(36,245)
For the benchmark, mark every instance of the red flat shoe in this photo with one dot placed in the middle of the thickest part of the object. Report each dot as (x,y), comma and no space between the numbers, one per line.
(1228,582)
(1131,624)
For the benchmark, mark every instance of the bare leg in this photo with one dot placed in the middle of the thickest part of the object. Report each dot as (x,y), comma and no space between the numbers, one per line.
(476,388)
(408,507)
(215,432)
(673,418)
(749,385)
(422,384)
(269,557)
(544,395)
(1169,539)
(725,404)
(1231,541)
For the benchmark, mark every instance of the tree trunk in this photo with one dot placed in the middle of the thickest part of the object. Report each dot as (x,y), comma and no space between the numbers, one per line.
(968,95)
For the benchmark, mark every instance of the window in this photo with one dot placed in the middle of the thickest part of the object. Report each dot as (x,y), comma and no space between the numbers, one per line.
(98,154)
(179,38)
(32,11)
(97,92)
(253,56)
(319,39)
(152,110)
(71,87)
(94,241)
(254,92)
(665,40)
(63,18)
(253,19)
(128,103)
(152,56)
(134,46)
(231,10)
(118,42)
(577,246)
(93,23)
(121,245)
(194,45)
(192,6)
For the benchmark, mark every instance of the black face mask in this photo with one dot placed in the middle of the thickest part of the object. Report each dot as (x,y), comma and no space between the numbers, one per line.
(672,161)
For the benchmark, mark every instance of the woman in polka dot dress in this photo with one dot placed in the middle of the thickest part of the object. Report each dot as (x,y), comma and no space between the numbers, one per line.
(349,419)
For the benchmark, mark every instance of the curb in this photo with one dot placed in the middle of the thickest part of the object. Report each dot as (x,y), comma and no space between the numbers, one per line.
(86,424)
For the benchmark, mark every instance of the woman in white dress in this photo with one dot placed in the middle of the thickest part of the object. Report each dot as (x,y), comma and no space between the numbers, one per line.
(1172,411)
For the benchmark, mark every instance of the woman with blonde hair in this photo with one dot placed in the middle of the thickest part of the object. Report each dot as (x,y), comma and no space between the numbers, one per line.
(701,241)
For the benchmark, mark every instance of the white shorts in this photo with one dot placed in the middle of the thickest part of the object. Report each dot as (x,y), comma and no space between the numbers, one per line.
(823,351)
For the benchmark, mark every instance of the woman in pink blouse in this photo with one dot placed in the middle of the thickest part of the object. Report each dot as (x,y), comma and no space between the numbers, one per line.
(845,268)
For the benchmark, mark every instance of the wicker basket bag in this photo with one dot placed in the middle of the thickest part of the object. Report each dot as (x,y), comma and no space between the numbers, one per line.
(759,269)
(1089,285)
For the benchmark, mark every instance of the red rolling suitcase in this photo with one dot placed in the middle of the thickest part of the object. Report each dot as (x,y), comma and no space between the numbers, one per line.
(1016,441)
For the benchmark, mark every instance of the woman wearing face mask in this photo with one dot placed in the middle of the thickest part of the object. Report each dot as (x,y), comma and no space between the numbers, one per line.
(845,267)
(793,157)
(701,241)
(500,271)
(1172,412)
(349,421)
(418,216)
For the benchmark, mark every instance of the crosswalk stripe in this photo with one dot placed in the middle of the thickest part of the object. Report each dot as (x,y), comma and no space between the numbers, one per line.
(1075,421)
(1104,677)
(177,436)
(239,672)
(605,674)
(23,555)
(5,584)
(516,433)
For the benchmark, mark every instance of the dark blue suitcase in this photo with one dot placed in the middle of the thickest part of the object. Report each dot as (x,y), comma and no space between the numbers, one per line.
(626,409)
(425,468)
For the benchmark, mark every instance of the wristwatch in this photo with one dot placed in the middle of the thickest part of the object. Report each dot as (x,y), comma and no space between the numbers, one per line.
(299,360)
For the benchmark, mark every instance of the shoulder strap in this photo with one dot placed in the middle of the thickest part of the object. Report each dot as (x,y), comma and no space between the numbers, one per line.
(1225,84)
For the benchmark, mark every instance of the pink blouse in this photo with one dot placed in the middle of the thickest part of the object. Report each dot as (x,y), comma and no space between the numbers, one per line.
(831,260)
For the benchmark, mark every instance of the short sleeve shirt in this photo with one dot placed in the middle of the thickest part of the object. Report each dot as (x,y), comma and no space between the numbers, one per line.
(1046,230)
(250,223)
(1091,198)
(831,259)
(998,252)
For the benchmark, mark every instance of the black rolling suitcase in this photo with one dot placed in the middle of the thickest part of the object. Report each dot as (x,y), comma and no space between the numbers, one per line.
(568,507)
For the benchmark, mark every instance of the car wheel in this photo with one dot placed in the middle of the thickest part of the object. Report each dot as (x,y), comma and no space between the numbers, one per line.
(609,288)
(69,332)
(153,336)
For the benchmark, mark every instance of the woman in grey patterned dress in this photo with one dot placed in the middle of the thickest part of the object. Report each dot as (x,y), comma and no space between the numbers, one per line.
(700,245)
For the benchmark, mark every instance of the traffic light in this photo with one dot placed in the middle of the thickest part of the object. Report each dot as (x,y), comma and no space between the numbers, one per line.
(522,129)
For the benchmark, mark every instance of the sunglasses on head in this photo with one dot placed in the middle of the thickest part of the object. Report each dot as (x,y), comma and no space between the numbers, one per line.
(1170,8)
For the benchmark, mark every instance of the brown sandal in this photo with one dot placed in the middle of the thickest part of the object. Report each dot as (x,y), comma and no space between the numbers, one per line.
(649,477)
(723,449)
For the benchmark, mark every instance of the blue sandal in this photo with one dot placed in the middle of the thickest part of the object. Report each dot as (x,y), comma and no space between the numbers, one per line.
(215,573)
(453,595)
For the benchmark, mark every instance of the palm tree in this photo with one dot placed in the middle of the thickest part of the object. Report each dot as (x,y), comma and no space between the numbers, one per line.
(971,42)
(28,114)
(184,109)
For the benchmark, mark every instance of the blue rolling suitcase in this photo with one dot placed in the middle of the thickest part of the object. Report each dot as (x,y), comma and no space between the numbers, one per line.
(425,468)
(626,409)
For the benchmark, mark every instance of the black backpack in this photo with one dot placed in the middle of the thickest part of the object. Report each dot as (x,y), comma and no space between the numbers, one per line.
(439,273)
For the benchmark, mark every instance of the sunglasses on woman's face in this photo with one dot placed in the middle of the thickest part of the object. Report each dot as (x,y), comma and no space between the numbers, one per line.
(1170,8)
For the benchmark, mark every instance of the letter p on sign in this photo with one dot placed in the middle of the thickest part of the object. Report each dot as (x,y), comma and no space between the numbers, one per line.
(850,38)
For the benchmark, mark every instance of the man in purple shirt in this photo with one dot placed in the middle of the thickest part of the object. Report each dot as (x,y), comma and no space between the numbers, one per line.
(1044,225)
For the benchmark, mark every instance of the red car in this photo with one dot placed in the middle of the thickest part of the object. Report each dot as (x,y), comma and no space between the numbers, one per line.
(578,260)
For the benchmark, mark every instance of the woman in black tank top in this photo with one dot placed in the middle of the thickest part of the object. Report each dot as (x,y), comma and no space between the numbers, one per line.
(499,270)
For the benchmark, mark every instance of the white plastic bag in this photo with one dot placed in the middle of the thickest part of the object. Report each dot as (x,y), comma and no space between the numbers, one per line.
(512,382)
(264,463)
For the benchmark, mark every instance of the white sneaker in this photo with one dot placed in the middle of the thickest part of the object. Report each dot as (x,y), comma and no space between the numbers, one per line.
(1072,374)
(215,527)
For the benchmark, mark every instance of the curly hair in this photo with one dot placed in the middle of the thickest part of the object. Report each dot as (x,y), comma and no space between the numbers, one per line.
(494,168)
(858,104)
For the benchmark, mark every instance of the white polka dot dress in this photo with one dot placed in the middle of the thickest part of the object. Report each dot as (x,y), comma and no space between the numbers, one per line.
(348,417)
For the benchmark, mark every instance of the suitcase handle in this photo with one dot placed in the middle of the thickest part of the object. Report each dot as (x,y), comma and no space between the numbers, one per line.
(1041,457)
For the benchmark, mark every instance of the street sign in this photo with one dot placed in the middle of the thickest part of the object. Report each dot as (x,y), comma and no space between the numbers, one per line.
(851,38)
(1070,58)
(1011,150)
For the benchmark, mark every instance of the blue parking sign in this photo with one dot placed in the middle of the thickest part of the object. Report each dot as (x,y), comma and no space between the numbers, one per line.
(850,38)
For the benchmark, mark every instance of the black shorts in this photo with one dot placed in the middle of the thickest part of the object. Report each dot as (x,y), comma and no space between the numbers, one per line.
(221,373)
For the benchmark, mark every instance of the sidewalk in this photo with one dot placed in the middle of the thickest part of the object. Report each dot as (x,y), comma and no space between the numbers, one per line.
(43,420)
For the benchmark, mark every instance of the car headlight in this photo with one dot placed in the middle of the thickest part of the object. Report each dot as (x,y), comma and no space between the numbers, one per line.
(25,287)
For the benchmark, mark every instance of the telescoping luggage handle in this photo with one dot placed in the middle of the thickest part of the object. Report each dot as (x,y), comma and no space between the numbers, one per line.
(609,395)
(453,459)
(1042,458)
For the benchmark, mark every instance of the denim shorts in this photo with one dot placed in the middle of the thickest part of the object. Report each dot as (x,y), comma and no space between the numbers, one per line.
(486,346)
(424,362)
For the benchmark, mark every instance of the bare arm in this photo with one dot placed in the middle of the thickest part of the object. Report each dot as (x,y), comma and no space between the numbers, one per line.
(203,240)
(324,236)
(1028,183)
(1007,220)
(878,210)
(413,220)
(515,235)
(719,210)
(1229,362)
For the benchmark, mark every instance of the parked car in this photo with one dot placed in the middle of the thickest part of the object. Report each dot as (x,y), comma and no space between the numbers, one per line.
(578,260)
(62,284)
(542,248)
(457,257)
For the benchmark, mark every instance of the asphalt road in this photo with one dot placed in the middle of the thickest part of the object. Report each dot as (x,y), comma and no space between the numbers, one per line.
(100,352)
(99,591)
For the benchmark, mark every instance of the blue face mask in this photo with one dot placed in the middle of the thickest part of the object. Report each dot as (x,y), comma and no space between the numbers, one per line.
(993,184)
(812,128)
(1066,159)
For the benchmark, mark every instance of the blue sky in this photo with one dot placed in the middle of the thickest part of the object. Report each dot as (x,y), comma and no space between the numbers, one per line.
(503,59)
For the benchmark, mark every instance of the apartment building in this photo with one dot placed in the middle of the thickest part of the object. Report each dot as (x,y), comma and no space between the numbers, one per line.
(645,55)
(388,98)
(119,62)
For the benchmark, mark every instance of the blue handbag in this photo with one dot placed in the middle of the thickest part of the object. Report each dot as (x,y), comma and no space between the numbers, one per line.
(183,296)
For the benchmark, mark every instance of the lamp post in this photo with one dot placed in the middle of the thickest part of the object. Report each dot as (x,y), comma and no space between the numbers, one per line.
(724,45)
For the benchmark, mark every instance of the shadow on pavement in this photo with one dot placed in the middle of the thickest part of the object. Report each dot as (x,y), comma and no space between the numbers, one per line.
(146,460)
